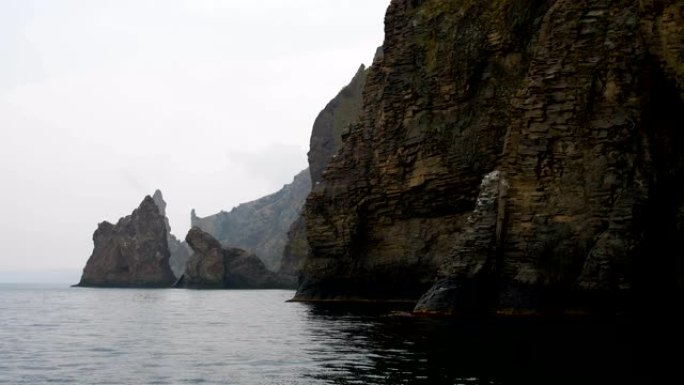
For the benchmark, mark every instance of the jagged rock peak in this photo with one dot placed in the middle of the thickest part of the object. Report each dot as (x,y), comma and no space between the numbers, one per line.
(159,200)
(132,253)
(180,251)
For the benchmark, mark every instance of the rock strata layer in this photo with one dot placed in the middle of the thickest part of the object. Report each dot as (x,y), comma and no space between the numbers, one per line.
(328,129)
(132,253)
(332,122)
(213,266)
(511,157)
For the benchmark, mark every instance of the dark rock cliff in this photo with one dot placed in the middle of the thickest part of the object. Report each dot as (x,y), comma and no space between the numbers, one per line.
(260,226)
(132,253)
(213,266)
(296,249)
(326,138)
(512,156)
(326,134)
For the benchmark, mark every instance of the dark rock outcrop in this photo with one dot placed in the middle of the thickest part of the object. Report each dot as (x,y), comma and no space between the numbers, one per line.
(132,253)
(260,226)
(563,117)
(213,266)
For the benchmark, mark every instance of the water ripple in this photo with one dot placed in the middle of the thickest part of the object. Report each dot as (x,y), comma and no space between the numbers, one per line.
(108,336)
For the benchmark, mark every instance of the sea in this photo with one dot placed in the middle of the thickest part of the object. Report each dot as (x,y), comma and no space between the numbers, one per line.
(55,334)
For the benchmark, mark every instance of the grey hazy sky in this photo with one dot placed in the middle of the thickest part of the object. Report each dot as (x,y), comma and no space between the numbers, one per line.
(211,101)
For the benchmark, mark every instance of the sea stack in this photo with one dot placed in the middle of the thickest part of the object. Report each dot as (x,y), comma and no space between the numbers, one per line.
(132,253)
(213,266)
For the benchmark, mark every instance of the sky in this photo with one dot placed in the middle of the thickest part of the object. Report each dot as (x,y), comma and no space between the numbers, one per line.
(211,101)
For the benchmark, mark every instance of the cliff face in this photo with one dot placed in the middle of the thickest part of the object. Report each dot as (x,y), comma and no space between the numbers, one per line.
(332,122)
(132,253)
(215,267)
(326,138)
(399,191)
(260,226)
(525,154)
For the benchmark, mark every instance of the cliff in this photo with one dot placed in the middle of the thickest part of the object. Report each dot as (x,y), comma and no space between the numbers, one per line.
(335,119)
(326,138)
(260,226)
(213,266)
(132,253)
(511,157)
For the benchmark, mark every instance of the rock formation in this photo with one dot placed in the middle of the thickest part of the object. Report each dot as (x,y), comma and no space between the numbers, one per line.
(511,157)
(132,253)
(326,137)
(260,226)
(179,251)
(158,199)
(213,266)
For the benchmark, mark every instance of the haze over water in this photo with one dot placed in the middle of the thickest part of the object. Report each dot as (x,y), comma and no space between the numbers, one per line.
(60,335)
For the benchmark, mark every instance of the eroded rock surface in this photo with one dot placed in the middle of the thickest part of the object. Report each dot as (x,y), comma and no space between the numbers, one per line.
(213,266)
(334,120)
(331,124)
(132,253)
(577,105)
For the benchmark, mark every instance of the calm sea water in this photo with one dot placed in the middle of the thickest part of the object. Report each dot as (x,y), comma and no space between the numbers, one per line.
(62,335)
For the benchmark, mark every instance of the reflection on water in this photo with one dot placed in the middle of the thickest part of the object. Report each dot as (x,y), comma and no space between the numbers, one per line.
(103,336)
(377,347)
